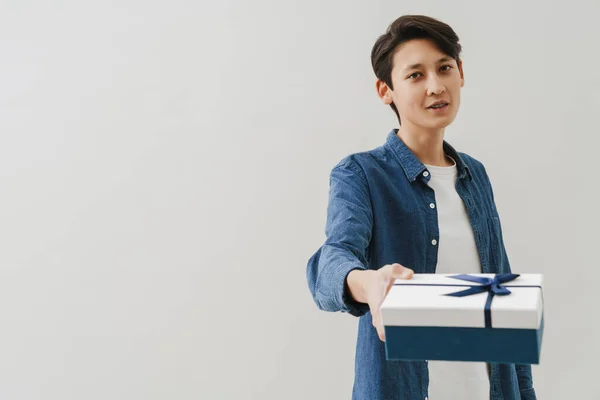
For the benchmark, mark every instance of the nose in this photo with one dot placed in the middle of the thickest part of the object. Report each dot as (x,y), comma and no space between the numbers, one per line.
(435,86)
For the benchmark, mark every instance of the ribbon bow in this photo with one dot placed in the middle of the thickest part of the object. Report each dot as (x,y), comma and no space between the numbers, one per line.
(491,285)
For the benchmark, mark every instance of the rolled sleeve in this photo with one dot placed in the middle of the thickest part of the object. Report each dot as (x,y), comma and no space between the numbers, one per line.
(348,233)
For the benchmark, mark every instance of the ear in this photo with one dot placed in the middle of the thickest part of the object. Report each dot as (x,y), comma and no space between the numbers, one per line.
(462,73)
(383,91)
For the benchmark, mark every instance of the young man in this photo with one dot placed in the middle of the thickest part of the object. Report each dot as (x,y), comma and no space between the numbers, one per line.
(412,205)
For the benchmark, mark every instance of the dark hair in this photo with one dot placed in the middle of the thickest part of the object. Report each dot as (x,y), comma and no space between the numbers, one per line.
(406,28)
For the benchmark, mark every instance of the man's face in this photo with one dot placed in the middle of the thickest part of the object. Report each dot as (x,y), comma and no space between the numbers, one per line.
(421,76)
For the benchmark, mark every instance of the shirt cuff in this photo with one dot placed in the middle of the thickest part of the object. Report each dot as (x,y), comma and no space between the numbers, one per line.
(350,305)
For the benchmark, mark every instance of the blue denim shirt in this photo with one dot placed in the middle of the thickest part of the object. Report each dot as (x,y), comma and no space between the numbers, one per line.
(378,213)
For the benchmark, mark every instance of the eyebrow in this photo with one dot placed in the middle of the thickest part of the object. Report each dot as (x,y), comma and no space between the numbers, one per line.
(418,65)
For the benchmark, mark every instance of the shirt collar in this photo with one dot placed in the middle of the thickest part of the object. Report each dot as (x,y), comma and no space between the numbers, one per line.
(413,167)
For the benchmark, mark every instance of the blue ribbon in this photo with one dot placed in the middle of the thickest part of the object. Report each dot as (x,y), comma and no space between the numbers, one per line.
(491,285)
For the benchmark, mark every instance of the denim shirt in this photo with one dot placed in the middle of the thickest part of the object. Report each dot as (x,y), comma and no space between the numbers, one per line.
(378,213)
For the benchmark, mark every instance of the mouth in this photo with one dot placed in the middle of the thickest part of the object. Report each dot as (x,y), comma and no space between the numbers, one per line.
(441,105)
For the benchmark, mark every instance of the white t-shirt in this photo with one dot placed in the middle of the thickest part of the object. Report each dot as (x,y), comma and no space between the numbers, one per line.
(457,253)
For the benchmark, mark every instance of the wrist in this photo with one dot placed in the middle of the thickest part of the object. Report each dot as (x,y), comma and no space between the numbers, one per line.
(356,285)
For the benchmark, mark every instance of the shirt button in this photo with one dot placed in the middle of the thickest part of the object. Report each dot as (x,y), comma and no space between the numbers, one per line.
(425,173)
(434,242)
(432,205)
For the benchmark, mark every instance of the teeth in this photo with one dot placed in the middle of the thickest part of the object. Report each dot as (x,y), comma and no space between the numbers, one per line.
(438,105)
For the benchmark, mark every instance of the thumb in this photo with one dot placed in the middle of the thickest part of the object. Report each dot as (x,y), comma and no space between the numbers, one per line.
(399,271)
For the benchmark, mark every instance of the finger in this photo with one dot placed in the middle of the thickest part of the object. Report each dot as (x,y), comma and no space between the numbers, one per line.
(398,271)
(389,286)
(401,272)
(379,326)
(381,333)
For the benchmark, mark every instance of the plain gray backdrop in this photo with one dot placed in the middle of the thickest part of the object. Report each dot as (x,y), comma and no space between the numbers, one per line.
(164,176)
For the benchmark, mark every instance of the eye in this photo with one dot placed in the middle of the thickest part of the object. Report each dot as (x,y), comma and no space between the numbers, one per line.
(448,68)
(414,76)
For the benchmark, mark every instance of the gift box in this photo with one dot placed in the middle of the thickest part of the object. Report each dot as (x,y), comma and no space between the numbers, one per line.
(474,317)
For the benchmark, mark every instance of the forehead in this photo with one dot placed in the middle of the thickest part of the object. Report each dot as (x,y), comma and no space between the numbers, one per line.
(417,51)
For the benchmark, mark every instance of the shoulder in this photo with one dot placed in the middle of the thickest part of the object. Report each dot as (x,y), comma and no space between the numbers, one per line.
(361,162)
(476,166)
(471,161)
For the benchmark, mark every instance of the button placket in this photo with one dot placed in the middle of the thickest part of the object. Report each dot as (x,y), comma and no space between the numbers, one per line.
(432,206)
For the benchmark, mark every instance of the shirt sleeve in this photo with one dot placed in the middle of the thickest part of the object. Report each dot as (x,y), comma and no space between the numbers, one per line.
(348,233)
(525,379)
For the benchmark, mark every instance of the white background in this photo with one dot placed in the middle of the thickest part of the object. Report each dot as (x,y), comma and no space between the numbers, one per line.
(164,176)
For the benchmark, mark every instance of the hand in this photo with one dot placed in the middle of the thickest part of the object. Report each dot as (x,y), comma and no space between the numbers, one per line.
(372,286)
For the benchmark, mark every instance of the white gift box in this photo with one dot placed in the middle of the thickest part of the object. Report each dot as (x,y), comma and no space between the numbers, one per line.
(475,317)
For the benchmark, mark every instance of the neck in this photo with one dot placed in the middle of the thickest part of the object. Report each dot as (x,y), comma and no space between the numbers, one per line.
(427,145)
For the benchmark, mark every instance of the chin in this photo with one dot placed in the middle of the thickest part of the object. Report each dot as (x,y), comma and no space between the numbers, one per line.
(440,124)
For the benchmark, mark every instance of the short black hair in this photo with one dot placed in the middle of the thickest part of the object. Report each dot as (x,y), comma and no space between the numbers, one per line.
(406,28)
